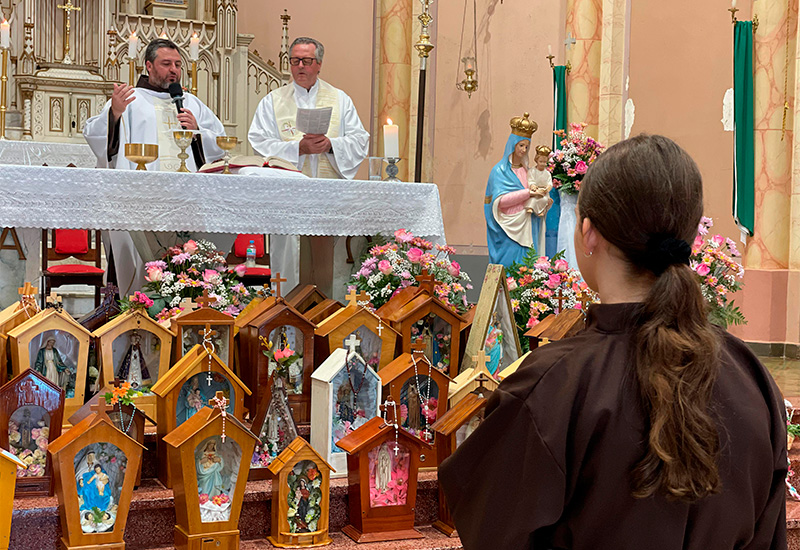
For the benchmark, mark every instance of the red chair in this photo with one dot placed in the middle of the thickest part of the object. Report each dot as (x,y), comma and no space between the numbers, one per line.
(61,244)
(254,276)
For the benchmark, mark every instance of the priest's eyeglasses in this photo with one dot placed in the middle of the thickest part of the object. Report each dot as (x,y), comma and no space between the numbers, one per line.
(307,61)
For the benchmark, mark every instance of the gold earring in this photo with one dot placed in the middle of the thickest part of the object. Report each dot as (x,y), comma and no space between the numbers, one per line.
(587,255)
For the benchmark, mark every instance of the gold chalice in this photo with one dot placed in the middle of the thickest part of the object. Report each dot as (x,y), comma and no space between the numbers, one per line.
(184,139)
(141,153)
(227,143)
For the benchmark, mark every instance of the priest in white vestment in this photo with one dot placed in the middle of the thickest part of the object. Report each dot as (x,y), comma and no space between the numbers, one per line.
(335,155)
(147,114)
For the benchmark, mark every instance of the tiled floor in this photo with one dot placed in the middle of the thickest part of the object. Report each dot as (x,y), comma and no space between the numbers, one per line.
(787,375)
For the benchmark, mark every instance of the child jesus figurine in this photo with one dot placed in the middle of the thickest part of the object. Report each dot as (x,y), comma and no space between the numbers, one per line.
(540,183)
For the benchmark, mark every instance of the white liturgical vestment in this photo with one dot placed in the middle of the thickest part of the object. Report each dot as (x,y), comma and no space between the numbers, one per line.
(273,133)
(150,118)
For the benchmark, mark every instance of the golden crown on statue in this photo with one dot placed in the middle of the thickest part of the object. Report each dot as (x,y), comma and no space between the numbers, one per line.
(523,126)
(543,150)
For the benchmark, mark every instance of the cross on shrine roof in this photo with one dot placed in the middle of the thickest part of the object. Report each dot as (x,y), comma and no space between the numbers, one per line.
(204,300)
(277,280)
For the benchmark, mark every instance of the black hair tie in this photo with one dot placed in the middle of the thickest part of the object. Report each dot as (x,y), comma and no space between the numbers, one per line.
(663,252)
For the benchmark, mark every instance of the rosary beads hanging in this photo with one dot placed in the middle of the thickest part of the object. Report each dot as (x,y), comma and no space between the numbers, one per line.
(220,402)
(390,402)
(351,343)
(208,345)
(426,433)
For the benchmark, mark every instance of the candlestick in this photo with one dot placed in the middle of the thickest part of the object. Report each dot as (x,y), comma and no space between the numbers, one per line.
(733,3)
(5,35)
(3,84)
(550,48)
(194,48)
(194,78)
(391,139)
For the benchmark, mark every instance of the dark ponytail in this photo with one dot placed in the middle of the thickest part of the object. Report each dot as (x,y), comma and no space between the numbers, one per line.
(645,196)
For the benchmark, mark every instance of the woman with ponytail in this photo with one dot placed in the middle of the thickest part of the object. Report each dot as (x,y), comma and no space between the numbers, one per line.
(651,429)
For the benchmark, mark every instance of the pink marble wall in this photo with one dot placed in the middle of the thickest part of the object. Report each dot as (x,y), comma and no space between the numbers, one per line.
(585,23)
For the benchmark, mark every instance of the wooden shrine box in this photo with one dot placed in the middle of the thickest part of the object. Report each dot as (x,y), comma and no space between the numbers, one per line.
(184,390)
(335,410)
(494,329)
(472,379)
(254,309)
(466,330)
(284,326)
(401,382)
(305,297)
(426,317)
(29,340)
(512,368)
(322,311)
(378,341)
(275,428)
(115,340)
(451,430)
(31,409)
(208,503)
(8,473)
(190,326)
(127,418)
(379,509)
(94,465)
(556,326)
(300,476)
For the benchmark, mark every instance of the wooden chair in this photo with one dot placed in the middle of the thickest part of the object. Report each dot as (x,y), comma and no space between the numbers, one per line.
(60,244)
(254,276)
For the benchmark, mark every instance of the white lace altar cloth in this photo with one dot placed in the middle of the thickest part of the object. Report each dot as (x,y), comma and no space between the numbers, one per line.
(78,198)
(36,153)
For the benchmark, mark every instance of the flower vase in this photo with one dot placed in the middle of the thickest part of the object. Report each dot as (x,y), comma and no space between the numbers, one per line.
(566,227)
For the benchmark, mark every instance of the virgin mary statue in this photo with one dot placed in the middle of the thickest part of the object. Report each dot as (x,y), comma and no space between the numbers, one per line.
(511,230)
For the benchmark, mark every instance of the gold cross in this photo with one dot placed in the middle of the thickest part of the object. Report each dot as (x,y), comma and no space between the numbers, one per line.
(68,8)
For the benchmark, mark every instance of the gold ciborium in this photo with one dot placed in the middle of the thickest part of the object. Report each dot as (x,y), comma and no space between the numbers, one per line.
(227,143)
(141,153)
(184,139)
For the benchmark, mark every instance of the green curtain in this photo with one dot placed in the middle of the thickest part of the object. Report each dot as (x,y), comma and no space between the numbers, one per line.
(743,121)
(559,123)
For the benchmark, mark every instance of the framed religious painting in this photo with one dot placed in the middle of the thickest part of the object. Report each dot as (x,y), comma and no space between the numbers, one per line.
(477,377)
(300,497)
(204,325)
(382,465)
(31,409)
(209,454)
(494,329)
(275,428)
(452,429)
(377,341)
(94,465)
(280,342)
(345,394)
(55,345)
(135,349)
(420,390)
(186,389)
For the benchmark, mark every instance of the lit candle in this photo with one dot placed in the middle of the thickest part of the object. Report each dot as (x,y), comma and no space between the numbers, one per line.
(194,48)
(133,46)
(5,35)
(163,35)
(469,63)
(391,140)
(733,3)
(550,48)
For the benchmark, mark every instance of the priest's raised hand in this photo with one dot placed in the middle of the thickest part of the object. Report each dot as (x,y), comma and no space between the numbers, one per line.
(147,113)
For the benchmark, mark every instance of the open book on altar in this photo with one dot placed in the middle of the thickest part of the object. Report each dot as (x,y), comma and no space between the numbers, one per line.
(242,161)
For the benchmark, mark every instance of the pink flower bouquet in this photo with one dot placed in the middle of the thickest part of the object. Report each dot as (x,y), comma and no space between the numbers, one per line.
(572,159)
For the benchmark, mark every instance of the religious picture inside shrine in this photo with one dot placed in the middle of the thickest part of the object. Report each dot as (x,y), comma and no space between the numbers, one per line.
(28,432)
(99,475)
(277,430)
(54,354)
(419,402)
(436,334)
(499,349)
(305,497)
(136,355)
(368,347)
(198,390)
(193,335)
(466,430)
(217,470)
(389,466)
(354,389)
(285,354)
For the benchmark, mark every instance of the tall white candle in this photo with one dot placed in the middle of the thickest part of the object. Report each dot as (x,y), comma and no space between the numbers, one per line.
(194,48)
(391,140)
(733,3)
(5,35)
(549,49)
(133,46)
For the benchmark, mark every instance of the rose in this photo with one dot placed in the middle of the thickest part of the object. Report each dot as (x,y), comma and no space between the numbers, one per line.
(240,270)
(512,284)
(553,281)
(278,354)
(211,276)
(154,275)
(190,247)
(415,255)
(454,269)
(561,265)
(403,236)
(385,267)
(702,270)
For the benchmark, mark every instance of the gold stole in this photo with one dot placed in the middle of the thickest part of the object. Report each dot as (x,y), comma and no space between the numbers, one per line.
(285,108)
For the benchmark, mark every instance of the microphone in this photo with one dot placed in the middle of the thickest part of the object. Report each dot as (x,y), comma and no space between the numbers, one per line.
(176,93)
